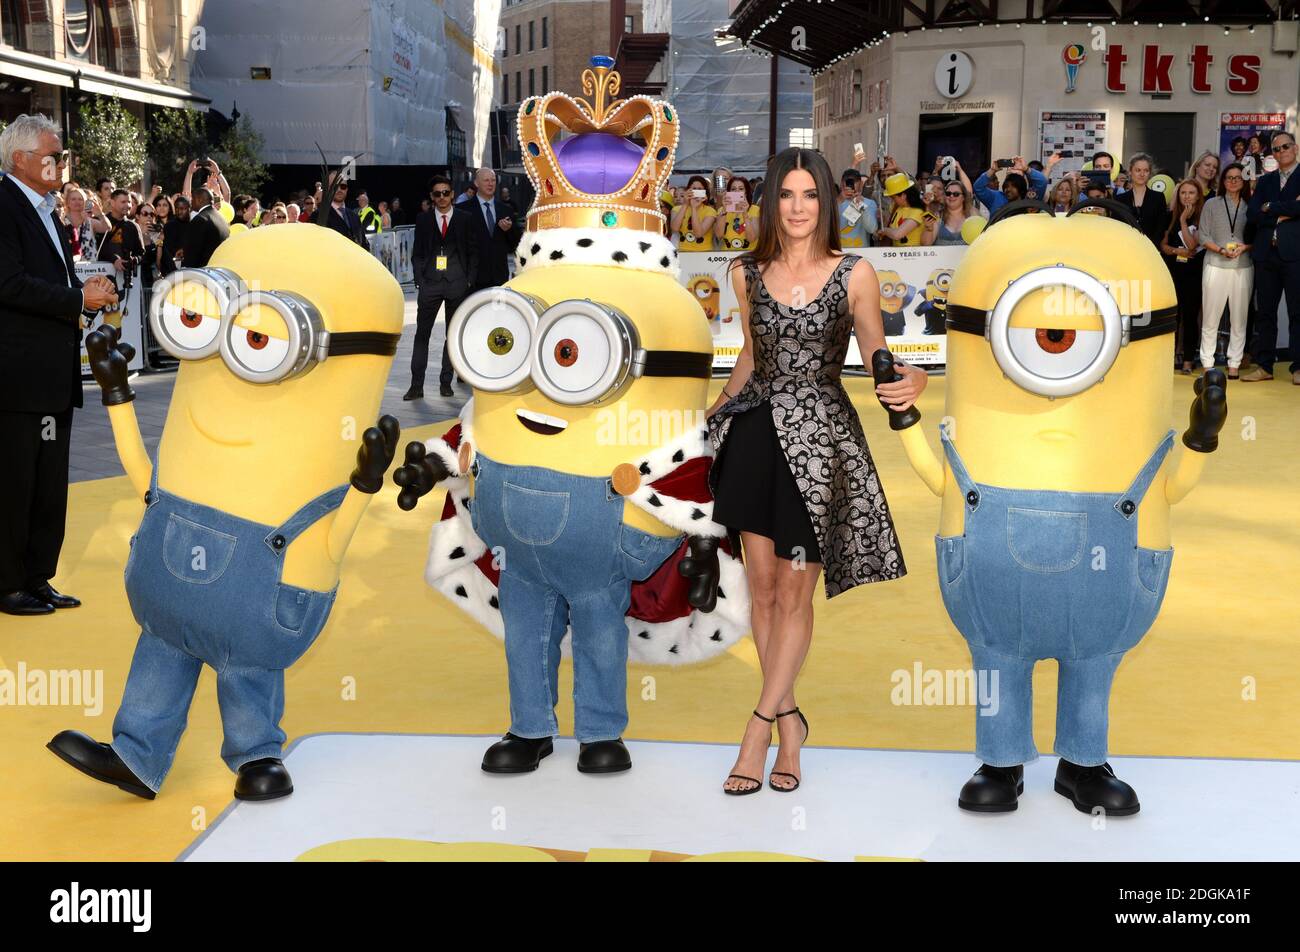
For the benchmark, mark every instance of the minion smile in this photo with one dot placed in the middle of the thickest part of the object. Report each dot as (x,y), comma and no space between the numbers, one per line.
(541,423)
(208,436)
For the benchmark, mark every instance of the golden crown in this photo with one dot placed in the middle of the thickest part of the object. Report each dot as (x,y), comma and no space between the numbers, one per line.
(561,203)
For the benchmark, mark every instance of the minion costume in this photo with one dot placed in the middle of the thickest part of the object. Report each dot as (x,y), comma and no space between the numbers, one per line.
(1054,536)
(235,563)
(565,528)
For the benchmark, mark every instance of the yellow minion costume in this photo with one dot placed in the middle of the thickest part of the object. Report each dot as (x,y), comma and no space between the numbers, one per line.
(578,517)
(236,560)
(1054,532)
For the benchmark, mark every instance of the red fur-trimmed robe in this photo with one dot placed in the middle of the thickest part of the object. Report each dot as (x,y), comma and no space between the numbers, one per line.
(662,626)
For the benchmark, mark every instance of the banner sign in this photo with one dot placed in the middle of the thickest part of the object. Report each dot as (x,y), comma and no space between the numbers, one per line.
(913,297)
(129,316)
(394,248)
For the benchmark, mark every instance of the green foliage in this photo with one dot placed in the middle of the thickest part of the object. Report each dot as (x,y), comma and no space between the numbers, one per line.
(108,142)
(175,137)
(241,146)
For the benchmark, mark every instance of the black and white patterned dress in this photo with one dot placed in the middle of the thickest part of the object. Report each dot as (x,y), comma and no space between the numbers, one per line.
(798,355)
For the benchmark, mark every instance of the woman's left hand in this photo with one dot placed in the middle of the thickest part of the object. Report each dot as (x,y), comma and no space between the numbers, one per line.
(901,394)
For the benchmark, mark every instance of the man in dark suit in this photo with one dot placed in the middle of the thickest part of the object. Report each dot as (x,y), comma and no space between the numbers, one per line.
(445,259)
(495,230)
(41,305)
(205,232)
(1274,210)
(343,219)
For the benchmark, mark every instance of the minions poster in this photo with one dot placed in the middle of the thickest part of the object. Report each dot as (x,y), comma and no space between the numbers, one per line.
(913,293)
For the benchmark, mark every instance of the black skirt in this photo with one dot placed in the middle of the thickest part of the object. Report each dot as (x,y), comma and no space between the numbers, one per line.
(755,490)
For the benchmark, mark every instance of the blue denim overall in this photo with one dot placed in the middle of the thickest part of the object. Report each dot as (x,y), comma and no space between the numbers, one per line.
(1046,574)
(205,586)
(566,559)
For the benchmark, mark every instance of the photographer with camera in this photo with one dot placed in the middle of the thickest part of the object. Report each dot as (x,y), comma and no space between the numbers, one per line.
(122,244)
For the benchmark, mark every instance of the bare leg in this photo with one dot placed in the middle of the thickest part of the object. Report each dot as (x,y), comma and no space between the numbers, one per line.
(760,571)
(791,635)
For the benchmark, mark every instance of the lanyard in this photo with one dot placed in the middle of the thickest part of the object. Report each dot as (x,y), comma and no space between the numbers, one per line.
(1232,219)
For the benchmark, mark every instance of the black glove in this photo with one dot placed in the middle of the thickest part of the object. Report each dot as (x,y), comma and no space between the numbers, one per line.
(1209,412)
(109,358)
(702,568)
(378,447)
(418,475)
(882,369)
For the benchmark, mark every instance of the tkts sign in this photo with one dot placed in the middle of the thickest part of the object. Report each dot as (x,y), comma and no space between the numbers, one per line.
(1242,70)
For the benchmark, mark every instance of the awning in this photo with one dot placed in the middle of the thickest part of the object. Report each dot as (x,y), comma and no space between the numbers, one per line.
(70,75)
(827,31)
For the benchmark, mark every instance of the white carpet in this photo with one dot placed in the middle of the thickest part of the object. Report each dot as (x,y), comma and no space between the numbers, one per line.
(853,803)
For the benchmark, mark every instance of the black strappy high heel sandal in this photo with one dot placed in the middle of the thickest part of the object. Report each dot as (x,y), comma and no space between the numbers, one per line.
(782,773)
(757,784)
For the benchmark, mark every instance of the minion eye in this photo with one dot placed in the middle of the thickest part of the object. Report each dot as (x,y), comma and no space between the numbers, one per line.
(701,291)
(944,281)
(187,310)
(491,336)
(886,290)
(574,353)
(1054,352)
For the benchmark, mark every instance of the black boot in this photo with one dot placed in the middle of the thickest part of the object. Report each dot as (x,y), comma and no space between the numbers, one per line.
(265,779)
(513,754)
(97,760)
(993,789)
(1091,787)
(604,756)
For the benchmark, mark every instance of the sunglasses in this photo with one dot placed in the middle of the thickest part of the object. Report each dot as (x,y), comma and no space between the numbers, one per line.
(1283,146)
(441,193)
(953,195)
(60,158)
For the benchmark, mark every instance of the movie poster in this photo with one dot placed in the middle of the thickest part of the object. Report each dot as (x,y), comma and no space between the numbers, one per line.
(913,298)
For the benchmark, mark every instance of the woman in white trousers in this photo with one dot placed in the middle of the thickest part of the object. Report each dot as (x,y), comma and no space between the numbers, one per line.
(1228,275)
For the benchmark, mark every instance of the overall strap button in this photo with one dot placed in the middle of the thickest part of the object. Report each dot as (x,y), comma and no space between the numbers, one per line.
(148,496)
(1127,507)
(278,542)
(973,497)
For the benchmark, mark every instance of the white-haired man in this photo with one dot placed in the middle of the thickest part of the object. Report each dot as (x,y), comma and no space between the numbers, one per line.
(41,305)
(495,230)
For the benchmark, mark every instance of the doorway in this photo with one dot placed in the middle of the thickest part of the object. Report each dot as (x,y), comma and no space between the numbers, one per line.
(966,137)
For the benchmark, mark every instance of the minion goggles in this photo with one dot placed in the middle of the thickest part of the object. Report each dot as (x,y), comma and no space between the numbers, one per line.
(575,352)
(1016,348)
(250,354)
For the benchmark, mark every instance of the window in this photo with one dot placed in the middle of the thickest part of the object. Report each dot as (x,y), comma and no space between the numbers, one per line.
(546,80)
(14,21)
(546,40)
(518,49)
(801,138)
(519,89)
(530,36)
(532,91)
(105,52)
(628,25)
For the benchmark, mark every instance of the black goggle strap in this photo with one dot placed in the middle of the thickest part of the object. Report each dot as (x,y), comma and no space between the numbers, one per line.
(677,363)
(363,342)
(972,320)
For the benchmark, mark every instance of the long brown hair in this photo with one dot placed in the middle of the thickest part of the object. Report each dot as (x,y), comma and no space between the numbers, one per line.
(826,237)
(1177,210)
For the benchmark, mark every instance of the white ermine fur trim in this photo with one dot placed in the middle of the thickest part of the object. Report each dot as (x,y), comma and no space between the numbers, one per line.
(615,247)
(454,547)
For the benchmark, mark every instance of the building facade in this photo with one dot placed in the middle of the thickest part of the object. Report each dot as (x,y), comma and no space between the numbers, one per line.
(998,91)
(53,53)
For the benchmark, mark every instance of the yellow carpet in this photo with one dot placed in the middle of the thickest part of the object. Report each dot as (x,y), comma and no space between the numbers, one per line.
(1216,677)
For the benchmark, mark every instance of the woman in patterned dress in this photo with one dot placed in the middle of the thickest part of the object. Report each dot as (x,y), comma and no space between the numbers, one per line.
(792,471)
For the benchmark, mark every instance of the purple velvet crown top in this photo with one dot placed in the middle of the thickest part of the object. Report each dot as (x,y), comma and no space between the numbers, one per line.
(598,162)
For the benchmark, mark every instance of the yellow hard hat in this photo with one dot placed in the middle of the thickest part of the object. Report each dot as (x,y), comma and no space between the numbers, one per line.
(898,182)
